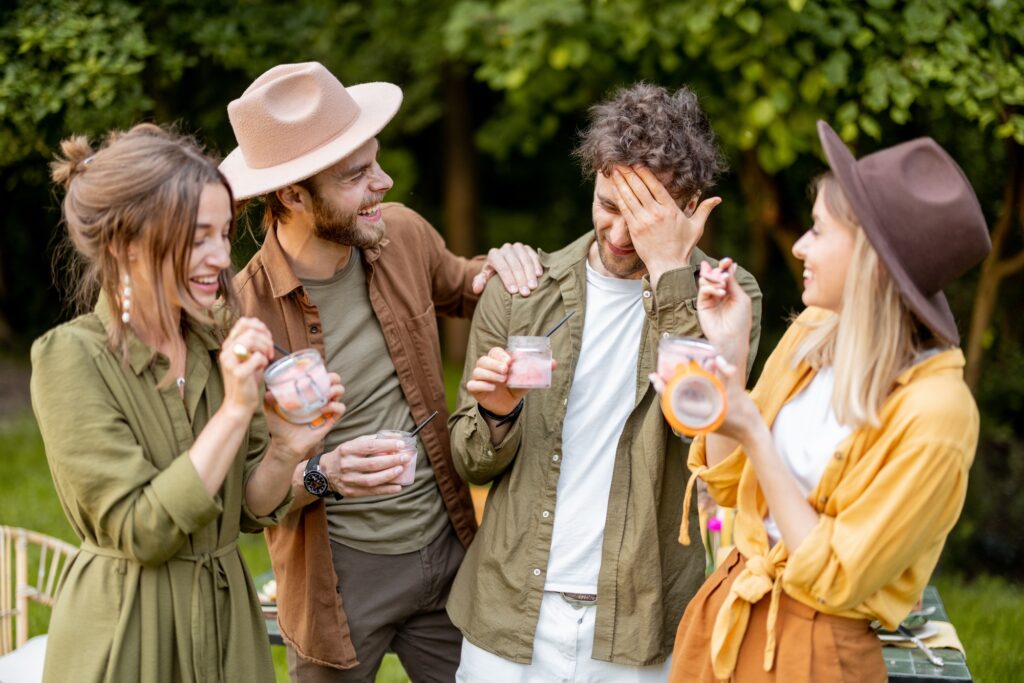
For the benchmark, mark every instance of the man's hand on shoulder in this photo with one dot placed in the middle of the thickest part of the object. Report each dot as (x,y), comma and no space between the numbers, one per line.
(518,266)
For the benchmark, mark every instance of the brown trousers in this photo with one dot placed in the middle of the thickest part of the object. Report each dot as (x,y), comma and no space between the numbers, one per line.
(811,647)
(395,602)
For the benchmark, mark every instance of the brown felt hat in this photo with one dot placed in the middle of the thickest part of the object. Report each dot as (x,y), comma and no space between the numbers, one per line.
(295,120)
(920,214)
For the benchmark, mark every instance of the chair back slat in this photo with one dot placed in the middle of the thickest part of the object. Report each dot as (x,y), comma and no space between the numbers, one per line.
(16,586)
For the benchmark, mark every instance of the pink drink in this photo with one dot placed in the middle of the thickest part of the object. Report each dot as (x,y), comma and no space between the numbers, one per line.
(300,384)
(674,351)
(408,446)
(531,362)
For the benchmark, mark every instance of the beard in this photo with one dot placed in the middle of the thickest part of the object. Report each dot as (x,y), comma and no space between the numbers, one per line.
(619,266)
(336,226)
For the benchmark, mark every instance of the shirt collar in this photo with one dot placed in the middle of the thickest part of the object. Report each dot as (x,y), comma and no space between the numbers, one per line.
(141,355)
(949,360)
(283,280)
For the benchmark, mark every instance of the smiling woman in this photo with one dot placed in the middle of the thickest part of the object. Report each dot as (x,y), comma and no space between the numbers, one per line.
(149,409)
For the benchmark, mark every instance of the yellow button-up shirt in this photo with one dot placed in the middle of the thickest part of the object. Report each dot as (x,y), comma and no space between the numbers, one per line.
(887,500)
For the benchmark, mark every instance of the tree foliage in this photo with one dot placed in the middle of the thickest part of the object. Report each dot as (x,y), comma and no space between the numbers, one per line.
(880,71)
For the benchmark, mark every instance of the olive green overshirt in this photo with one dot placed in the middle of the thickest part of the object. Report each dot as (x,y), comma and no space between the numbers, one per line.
(158,591)
(646,577)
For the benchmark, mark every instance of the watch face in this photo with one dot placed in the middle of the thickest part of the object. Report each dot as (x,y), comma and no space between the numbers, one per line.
(316,483)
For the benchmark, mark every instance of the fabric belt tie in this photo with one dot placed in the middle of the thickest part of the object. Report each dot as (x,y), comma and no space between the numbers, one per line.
(754,581)
(684,527)
(212,562)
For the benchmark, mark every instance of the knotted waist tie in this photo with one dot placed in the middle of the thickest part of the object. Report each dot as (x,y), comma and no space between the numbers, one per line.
(211,562)
(758,577)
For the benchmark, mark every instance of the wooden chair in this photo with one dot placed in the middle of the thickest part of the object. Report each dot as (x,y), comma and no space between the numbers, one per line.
(19,585)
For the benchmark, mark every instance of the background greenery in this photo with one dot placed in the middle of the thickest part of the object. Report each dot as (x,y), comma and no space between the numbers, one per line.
(495,91)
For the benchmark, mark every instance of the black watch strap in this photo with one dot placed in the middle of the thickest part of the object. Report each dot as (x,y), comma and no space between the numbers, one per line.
(503,419)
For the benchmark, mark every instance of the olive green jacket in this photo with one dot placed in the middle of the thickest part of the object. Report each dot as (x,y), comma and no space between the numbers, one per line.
(646,577)
(158,591)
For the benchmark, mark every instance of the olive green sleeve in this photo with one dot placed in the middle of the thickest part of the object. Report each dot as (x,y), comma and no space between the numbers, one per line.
(123,500)
(476,459)
(258,439)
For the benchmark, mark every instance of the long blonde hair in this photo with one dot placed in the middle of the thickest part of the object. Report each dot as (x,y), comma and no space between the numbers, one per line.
(873,336)
(142,188)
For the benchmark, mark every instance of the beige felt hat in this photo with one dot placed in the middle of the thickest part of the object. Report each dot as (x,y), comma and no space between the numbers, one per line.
(296,120)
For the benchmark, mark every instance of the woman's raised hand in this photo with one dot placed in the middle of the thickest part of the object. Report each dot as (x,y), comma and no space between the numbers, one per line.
(243,358)
(724,311)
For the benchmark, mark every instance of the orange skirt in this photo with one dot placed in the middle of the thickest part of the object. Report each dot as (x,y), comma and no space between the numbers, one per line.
(811,647)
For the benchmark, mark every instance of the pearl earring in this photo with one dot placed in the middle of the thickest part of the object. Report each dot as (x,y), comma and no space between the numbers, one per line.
(126,299)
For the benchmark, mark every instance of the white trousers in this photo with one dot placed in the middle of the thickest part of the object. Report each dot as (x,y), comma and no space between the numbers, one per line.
(562,653)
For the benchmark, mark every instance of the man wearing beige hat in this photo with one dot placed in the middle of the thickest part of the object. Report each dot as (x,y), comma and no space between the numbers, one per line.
(363,564)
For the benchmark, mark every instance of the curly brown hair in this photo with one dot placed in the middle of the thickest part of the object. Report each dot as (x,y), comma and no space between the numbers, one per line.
(646,125)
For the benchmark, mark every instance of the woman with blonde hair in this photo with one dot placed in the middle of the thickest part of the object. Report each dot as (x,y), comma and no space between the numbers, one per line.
(848,461)
(149,408)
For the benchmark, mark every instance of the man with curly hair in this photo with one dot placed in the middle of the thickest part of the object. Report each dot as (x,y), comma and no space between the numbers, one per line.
(576,572)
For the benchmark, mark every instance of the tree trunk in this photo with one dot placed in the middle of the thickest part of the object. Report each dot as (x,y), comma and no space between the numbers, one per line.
(761,194)
(460,191)
(995,267)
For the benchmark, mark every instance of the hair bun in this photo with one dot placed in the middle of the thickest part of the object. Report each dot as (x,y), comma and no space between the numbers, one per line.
(75,155)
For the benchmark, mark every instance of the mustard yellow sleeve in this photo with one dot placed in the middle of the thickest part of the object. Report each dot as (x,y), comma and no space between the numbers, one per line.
(872,534)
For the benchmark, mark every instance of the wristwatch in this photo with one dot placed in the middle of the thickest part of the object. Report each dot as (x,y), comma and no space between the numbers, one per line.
(315,481)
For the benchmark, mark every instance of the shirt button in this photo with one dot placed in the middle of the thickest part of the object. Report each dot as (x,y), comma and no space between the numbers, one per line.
(565,401)
(554,458)
(647,294)
(545,514)
(536,572)
(823,500)
(313,329)
(821,601)
(837,455)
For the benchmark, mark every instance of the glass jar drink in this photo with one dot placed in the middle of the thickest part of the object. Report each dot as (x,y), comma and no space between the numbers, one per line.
(693,401)
(531,362)
(408,446)
(300,384)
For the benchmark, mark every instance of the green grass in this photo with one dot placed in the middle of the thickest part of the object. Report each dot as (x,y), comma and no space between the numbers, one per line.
(28,499)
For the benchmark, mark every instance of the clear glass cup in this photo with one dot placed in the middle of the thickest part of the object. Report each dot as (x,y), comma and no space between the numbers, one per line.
(694,399)
(300,383)
(674,351)
(408,446)
(531,362)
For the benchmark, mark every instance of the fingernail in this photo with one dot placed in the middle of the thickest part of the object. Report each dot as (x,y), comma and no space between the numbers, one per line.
(532,283)
(524,290)
(397,470)
(406,457)
(511,289)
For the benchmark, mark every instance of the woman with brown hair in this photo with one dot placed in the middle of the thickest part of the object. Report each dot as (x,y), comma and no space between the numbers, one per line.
(848,461)
(149,408)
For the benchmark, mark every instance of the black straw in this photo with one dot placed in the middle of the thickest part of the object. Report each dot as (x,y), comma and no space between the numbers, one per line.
(560,323)
(423,424)
(281,350)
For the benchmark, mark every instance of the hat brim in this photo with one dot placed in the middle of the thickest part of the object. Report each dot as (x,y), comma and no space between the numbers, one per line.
(932,310)
(378,103)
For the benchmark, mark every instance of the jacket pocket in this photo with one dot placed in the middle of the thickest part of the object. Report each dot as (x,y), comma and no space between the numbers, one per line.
(426,349)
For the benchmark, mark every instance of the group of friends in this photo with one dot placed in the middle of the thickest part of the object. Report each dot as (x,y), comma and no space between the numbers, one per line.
(847,463)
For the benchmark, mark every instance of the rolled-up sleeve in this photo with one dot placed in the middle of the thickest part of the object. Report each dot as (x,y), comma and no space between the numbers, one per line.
(476,459)
(862,541)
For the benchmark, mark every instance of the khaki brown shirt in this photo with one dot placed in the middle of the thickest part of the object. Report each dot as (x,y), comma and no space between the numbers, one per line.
(412,278)
(646,577)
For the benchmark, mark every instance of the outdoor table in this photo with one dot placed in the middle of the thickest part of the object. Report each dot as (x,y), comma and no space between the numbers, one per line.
(908,665)
(905,665)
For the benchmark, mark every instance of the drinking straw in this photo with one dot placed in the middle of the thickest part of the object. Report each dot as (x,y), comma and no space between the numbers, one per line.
(423,424)
(281,350)
(560,323)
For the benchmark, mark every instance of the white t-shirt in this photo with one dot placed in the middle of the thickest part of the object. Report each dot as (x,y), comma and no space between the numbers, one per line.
(806,434)
(601,398)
